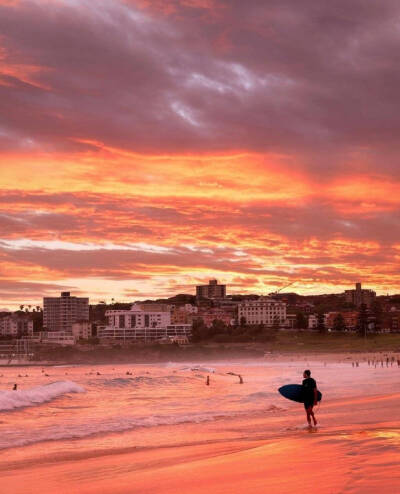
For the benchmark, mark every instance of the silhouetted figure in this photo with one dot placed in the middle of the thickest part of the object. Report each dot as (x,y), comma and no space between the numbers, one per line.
(208,381)
(310,396)
(15,387)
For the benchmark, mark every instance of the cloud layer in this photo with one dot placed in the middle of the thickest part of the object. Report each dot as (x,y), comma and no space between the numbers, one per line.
(146,146)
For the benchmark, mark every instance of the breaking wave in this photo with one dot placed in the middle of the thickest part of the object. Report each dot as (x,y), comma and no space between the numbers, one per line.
(10,400)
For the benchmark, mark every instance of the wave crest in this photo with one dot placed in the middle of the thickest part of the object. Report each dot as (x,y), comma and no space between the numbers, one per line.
(10,400)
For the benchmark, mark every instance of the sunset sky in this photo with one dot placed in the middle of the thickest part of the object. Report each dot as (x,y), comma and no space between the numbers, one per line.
(149,145)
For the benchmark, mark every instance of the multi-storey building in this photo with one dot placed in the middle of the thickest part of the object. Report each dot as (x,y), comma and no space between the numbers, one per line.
(81,330)
(360,296)
(265,310)
(143,322)
(391,321)
(59,313)
(16,325)
(216,314)
(350,319)
(212,290)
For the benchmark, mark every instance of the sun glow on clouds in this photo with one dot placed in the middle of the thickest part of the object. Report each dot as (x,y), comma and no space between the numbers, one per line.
(158,144)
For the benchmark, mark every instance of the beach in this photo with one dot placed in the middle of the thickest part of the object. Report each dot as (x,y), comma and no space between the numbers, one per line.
(157,428)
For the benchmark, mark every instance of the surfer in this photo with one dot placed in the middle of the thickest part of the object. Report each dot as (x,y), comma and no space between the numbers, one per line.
(310,395)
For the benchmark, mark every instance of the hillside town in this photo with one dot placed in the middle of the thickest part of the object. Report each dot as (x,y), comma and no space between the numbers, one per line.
(208,315)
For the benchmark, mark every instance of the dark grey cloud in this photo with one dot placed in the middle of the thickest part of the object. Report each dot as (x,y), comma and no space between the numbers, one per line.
(316,80)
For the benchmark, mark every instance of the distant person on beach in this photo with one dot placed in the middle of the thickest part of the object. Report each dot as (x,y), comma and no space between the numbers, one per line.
(208,381)
(15,387)
(309,395)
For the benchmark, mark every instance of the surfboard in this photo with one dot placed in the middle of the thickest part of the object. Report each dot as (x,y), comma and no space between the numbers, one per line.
(294,392)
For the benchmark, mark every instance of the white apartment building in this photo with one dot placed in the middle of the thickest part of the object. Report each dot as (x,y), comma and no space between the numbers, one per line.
(16,325)
(142,322)
(59,313)
(81,330)
(262,311)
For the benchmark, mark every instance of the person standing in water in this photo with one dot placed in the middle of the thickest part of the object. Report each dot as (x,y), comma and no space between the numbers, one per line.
(310,396)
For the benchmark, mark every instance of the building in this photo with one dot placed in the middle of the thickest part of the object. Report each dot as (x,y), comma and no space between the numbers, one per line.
(360,296)
(62,338)
(216,314)
(391,321)
(179,315)
(16,325)
(212,290)
(81,330)
(59,313)
(350,319)
(143,322)
(312,321)
(265,310)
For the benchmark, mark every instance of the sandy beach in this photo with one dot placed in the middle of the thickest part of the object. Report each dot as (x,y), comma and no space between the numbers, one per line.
(246,439)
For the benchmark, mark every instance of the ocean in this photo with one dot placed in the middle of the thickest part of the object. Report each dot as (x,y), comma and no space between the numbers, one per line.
(62,414)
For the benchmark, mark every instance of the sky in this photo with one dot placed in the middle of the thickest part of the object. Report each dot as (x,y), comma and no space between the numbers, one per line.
(149,145)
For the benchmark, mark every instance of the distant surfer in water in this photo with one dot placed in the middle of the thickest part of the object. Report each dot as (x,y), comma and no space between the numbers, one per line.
(310,395)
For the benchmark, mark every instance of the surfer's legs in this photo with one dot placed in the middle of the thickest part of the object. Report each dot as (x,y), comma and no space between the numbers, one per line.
(313,417)
(310,414)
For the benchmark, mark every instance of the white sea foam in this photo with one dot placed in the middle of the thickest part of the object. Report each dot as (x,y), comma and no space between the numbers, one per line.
(200,368)
(120,424)
(10,400)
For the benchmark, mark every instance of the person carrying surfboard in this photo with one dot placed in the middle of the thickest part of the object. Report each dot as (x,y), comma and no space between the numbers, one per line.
(310,395)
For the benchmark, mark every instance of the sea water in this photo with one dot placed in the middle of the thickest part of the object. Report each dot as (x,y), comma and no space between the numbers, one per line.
(66,409)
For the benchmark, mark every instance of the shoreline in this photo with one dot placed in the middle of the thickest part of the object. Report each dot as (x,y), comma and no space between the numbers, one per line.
(332,355)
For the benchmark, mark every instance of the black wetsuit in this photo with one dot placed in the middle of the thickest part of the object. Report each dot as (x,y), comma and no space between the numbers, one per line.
(309,385)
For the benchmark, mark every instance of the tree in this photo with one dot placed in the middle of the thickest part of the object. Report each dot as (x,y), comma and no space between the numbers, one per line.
(321,322)
(218,326)
(377,314)
(339,323)
(301,321)
(362,323)
(199,330)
